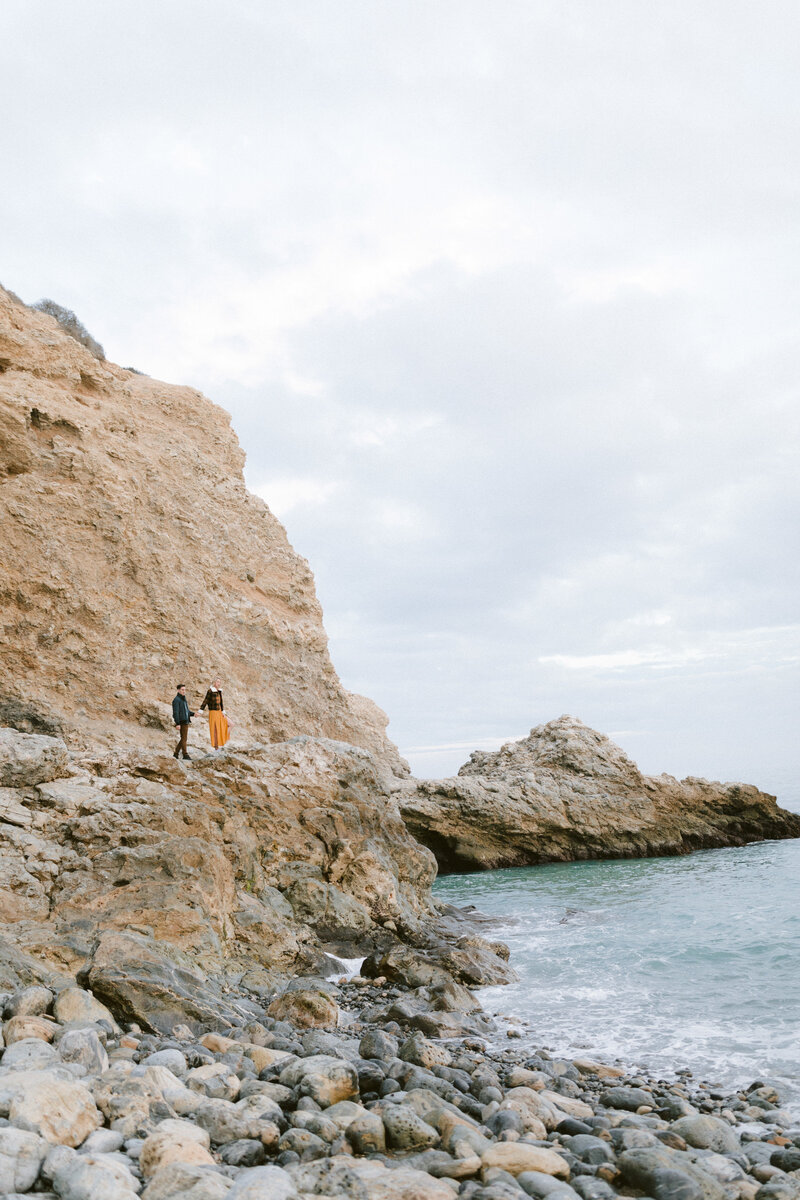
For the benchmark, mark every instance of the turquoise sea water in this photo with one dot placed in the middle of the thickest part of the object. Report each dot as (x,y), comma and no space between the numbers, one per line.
(663,962)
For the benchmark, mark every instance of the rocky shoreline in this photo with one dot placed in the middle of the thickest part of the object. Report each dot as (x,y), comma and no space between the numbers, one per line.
(333,1089)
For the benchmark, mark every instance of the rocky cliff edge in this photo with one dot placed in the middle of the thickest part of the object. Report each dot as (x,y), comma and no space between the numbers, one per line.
(135,558)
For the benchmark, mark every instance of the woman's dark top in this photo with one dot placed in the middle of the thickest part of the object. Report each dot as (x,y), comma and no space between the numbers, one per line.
(213,701)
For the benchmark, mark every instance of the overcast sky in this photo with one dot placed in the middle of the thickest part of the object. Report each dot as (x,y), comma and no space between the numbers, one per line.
(503,298)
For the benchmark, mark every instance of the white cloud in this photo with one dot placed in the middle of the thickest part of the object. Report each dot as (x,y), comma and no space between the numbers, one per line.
(618,660)
(402,521)
(285,495)
(737,648)
(477,743)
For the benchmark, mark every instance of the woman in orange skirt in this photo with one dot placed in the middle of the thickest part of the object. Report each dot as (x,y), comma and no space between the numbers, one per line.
(217,721)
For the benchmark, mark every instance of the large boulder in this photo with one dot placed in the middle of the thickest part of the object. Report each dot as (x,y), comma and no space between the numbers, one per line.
(402,964)
(89,1176)
(254,1118)
(83,1046)
(174,1141)
(668,1174)
(139,981)
(306,1003)
(328,909)
(30,758)
(76,1004)
(29,1055)
(263,1183)
(20,1028)
(516,1157)
(30,1001)
(405,1130)
(322,1077)
(57,1108)
(21,1156)
(707,1133)
(187,1181)
(343,1176)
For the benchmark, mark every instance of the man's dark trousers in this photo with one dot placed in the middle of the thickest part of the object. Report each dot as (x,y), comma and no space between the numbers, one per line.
(181,747)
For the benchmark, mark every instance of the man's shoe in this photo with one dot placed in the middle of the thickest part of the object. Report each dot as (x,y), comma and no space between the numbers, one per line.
(176,755)
(187,758)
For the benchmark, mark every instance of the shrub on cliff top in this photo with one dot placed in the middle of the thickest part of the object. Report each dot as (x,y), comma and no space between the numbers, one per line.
(71,325)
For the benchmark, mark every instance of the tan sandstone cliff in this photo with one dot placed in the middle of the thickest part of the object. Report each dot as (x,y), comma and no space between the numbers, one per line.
(567,792)
(134,558)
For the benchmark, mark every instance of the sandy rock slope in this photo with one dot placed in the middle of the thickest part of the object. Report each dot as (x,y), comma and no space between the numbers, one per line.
(162,884)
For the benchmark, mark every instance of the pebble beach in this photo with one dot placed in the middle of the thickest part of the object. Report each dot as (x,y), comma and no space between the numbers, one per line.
(273,1109)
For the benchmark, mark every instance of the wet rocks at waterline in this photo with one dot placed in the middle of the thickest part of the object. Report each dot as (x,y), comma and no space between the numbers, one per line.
(368,1108)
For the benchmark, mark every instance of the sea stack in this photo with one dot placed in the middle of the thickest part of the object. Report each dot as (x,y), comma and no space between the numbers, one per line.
(567,792)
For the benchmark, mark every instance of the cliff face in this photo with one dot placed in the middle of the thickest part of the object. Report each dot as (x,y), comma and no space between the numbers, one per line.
(134,558)
(567,792)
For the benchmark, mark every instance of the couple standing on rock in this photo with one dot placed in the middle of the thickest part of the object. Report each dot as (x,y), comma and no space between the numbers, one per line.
(218,725)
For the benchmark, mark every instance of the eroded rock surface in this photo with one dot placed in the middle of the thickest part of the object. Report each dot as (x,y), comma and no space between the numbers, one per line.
(134,557)
(567,792)
(157,882)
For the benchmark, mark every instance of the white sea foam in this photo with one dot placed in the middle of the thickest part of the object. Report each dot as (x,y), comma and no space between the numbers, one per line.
(348,967)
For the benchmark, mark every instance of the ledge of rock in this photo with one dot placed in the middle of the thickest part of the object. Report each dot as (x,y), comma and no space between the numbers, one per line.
(567,792)
(163,886)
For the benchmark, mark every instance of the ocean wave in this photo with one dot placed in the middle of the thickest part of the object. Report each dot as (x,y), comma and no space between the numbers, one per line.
(684,962)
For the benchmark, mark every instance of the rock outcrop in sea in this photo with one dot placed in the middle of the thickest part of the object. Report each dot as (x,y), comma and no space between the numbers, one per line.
(567,792)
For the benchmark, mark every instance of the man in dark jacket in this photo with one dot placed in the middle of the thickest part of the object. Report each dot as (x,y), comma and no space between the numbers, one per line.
(182,715)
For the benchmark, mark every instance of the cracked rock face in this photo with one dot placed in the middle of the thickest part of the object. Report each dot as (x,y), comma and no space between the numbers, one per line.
(158,884)
(567,792)
(113,586)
